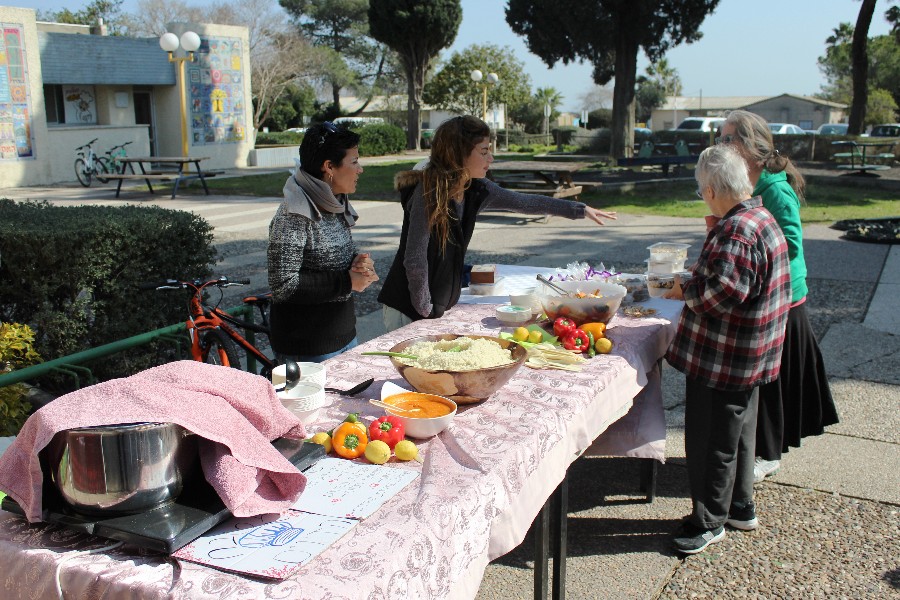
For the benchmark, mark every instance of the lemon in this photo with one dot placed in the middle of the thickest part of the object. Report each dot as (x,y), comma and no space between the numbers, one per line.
(520,334)
(406,450)
(323,439)
(378,452)
(603,345)
(535,336)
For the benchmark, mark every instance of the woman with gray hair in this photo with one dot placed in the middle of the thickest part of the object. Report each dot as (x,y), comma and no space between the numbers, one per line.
(799,403)
(728,343)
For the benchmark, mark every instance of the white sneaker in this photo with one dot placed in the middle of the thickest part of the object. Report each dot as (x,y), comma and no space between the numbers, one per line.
(764,468)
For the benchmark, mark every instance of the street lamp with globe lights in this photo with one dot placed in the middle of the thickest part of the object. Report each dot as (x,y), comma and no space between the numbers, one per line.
(491,79)
(547,111)
(189,42)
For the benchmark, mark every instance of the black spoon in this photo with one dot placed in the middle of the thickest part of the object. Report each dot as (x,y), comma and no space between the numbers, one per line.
(291,376)
(354,390)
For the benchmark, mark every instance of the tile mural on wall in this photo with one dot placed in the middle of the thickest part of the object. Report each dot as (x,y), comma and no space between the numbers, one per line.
(15,106)
(215,81)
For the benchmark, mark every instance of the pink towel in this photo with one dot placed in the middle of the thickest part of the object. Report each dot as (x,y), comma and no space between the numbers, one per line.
(236,414)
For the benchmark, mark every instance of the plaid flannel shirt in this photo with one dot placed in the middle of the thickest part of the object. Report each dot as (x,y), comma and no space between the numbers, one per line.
(731,329)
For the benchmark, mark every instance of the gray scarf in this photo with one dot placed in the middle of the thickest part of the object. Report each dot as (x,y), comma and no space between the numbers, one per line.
(310,197)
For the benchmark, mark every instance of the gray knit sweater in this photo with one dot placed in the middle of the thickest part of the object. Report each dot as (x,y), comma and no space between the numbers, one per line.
(309,262)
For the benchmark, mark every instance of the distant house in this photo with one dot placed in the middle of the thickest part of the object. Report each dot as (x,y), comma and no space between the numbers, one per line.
(805,111)
(63,85)
(677,108)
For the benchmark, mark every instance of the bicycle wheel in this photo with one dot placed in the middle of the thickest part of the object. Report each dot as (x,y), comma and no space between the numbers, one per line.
(82,172)
(217,349)
(101,168)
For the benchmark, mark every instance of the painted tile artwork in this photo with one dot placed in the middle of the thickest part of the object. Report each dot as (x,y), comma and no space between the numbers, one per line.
(15,106)
(216,92)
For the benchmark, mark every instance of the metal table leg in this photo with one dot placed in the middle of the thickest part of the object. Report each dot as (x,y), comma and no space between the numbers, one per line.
(555,509)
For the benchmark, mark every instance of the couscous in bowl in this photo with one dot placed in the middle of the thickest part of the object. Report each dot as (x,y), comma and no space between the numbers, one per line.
(467,386)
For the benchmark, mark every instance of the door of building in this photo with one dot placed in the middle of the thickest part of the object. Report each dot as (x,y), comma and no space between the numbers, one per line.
(144,115)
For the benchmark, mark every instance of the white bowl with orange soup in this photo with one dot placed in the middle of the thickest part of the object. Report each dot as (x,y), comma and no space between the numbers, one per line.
(430,414)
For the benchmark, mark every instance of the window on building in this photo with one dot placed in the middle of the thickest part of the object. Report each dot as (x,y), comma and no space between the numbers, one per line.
(54,107)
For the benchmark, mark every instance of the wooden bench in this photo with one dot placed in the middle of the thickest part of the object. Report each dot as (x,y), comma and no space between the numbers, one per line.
(560,192)
(664,161)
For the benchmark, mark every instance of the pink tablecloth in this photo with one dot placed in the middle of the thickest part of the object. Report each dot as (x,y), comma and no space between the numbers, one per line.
(483,481)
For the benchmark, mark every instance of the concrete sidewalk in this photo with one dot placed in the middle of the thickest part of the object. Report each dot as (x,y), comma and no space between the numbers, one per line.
(829,518)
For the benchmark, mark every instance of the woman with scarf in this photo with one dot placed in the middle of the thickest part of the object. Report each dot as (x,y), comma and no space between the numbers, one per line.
(313,263)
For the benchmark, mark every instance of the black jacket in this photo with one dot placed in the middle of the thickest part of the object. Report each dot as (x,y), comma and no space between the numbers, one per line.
(445,269)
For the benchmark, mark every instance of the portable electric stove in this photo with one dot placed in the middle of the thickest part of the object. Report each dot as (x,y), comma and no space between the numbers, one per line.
(168,527)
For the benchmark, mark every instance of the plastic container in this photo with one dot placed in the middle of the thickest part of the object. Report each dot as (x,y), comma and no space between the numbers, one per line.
(487,289)
(660,283)
(309,371)
(513,315)
(665,267)
(305,400)
(668,251)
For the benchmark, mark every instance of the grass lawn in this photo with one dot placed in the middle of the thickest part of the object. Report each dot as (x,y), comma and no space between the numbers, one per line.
(824,203)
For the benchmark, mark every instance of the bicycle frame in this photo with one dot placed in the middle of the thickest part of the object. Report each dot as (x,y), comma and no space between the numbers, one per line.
(203,318)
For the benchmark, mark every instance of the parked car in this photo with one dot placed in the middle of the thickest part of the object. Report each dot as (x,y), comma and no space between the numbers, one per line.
(888,130)
(700,124)
(781,128)
(832,129)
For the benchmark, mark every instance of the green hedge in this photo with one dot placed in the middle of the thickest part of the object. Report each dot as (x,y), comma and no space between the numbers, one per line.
(71,274)
(279,138)
(381,139)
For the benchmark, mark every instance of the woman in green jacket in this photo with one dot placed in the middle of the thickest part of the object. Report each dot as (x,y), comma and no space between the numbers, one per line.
(799,403)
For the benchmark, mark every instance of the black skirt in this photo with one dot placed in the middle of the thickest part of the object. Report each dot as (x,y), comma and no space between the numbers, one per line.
(798,404)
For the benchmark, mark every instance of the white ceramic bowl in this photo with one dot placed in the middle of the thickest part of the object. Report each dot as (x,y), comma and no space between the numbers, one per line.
(309,371)
(418,428)
(304,400)
(526,297)
(512,315)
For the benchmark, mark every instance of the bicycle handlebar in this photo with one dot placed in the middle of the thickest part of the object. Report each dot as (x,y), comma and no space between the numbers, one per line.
(88,144)
(175,284)
(114,148)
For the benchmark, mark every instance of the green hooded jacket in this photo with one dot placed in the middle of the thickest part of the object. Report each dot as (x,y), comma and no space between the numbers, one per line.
(780,199)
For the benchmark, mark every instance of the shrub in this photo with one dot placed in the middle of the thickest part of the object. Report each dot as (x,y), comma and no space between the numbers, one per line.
(16,352)
(71,273)
(381,139)
(279,138)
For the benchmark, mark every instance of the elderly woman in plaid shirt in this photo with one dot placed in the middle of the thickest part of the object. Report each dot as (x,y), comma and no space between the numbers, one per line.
(728,343)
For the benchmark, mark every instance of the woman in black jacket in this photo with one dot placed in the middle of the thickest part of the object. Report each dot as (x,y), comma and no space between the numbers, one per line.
(440,206)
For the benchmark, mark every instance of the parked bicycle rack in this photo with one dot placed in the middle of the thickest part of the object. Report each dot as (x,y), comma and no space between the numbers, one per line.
(72,364)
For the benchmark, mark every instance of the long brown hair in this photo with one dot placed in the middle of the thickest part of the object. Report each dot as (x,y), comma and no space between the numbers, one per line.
(445,178)
(756,138)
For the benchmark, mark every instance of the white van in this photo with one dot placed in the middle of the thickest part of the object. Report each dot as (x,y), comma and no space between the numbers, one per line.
(358,121)
(700,124)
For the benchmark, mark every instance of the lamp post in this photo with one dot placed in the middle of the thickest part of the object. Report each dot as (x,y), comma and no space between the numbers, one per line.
(491,79)
(547,122)
(189,42)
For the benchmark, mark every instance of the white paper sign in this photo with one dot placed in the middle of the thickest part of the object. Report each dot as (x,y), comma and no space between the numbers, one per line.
(266,546)
(341,488)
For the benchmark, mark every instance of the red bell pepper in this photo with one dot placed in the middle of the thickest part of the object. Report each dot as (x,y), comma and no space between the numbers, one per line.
(576,340)
(389,429)
(563,326)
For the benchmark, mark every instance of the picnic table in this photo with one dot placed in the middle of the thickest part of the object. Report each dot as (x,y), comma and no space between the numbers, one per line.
(162,168)
(663,155)
(547,178)
(483,482)
(859,161)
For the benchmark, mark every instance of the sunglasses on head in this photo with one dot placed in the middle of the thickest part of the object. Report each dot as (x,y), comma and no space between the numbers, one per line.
(329,128)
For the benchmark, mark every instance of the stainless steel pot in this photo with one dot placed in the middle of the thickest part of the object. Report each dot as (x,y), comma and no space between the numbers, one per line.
(121,469)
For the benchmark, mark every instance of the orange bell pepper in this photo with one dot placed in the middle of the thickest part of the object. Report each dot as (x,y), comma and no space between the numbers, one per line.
(350,440)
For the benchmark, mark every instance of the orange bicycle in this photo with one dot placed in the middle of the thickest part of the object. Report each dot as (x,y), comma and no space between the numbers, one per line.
(213,333)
